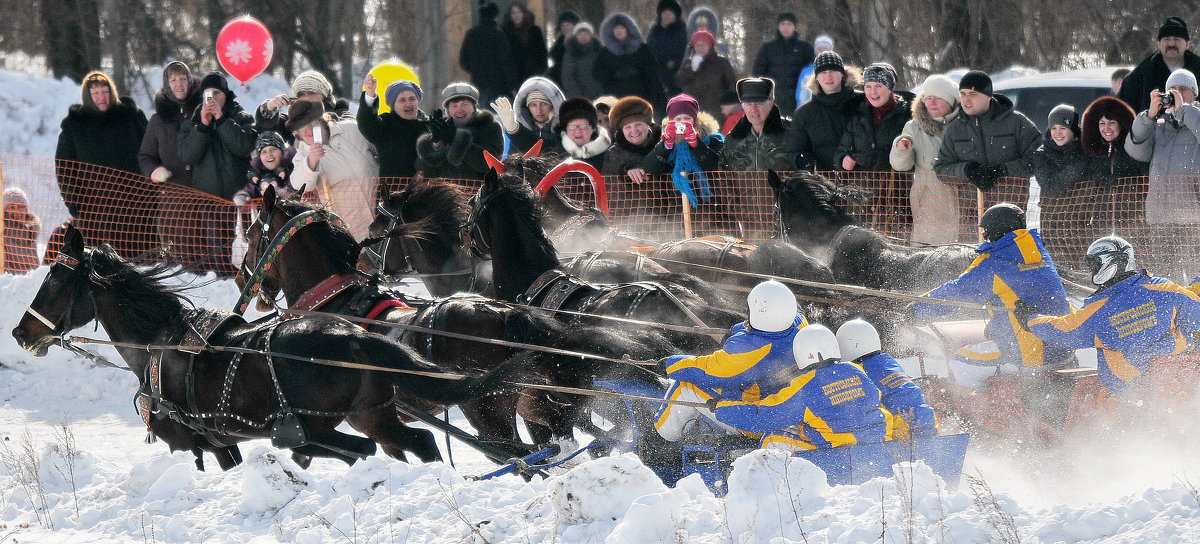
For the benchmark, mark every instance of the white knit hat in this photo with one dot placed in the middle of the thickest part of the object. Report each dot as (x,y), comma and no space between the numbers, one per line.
(1183,77)
(313,82)
(941,87)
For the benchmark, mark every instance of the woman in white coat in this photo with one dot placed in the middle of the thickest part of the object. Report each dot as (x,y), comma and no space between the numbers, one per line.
(335,160)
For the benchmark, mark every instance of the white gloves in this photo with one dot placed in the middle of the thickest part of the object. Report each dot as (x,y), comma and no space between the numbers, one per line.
(696,60)
(160,174)
(504,111)
(241,198)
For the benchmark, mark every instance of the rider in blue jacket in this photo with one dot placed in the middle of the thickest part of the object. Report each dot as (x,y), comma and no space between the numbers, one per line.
(1012,265)
(1132,318)
(911,415)
(829,404)
(755,361)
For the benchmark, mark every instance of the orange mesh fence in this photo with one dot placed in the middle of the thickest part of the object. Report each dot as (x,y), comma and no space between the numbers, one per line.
(145,220)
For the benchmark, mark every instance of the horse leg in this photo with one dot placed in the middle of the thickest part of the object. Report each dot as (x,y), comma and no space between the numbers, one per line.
(495,418)
(309,451)
(395,437)
(228,457)
(546,419)
(301,459)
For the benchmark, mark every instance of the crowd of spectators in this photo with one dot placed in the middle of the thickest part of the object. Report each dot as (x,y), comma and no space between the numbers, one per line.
(671,104)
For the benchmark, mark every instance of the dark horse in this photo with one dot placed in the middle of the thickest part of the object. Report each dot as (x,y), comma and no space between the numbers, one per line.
(315,269)
(504,224)
(813,215)
(253,380)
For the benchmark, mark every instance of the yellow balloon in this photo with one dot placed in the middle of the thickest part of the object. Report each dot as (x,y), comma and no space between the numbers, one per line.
(388,72)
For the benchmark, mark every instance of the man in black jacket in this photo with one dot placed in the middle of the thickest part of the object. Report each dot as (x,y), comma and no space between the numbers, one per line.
(459,134)
(1152,73)
(487,55)
(782,58)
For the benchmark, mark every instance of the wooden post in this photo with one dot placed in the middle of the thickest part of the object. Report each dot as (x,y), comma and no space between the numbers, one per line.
(687,216)
(3,264)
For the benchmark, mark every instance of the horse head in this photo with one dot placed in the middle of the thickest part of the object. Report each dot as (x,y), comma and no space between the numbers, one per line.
(51,314)
(811,208)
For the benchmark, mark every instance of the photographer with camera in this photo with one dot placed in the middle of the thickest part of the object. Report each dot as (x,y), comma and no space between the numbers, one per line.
(1168,135)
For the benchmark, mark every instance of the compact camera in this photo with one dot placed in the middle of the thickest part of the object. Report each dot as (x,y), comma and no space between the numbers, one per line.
(1168,99)
(208,96)
(679,129)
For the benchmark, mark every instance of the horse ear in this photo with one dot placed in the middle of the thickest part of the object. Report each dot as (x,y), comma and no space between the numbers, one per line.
(268,198)
(491,180)
(774,181)
(73,242)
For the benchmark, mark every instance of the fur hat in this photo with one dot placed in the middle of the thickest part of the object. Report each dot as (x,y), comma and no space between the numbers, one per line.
(1173,26)
(729,98)
(567,16)
(302,113)
(577,107)
(882,73)
(216,80)
(460,89)
(664,5)
(755,89)
(942,87)
(396,87)
(1065,115)
(96,77)
(824,40)
(488,11)
(828,61)
(703,36)
(630,109)
(1107,107)
(266,139)
(977,81)
(1183,77)
(682,103)
(786,16)
(314,82)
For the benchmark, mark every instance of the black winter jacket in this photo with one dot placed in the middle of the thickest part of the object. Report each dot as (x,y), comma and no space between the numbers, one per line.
(109,138)
(529,59)
(870,146)
(628,67)
(668,44)
(781,60)
(219,153)
(462,158)
(817,127)
(1058,168)
(487,55)
(1151,74)
(160,144)
(394,137)
(623,156)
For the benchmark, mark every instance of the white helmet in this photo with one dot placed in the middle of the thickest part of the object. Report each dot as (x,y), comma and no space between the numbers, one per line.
(856,338)
(1109,256)
(813,344)
(772,307)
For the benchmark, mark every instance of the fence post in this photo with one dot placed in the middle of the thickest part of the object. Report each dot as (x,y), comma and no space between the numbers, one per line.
(3,263)
(687,216)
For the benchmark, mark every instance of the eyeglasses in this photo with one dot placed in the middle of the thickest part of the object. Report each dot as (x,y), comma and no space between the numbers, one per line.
(579,128)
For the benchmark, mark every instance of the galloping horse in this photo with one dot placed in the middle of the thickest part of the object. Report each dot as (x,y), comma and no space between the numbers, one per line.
(813,215)
(315,270)
(244,380)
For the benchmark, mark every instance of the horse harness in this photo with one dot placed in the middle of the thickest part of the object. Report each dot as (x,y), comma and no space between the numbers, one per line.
(555,289)
(725,245)
(268,251)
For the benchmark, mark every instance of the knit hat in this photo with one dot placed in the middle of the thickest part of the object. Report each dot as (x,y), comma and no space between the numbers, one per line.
(630,109)
(755,89)
(824,40)
(882,73)
(488,11)
(267,139)
(302,113)
(786,16)
(1173,26)
(1182,77)
(96,77)
(460,89)
(703,36)
(942,87)
(577,107)
(1064,115)
(682,103)
(605,103)
(976,81)
(537,95)
(396,87)
(567,16)
(828,61)
(664,5)
(580,27)
(15,195)
(729,98)
(215,80)
(314,82)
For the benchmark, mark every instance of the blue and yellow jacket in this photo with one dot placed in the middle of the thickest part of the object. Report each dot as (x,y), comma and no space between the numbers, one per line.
(752,363)
(832,403)
(911,415)
(1130,323)
(1015,267)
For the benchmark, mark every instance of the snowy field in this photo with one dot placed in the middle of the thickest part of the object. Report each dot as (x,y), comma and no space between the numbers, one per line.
(75,469)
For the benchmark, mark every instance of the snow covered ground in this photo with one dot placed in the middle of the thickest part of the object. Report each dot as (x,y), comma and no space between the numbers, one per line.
(75,469)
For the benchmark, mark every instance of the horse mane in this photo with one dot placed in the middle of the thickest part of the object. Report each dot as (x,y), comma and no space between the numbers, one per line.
(340,247)
(447,202)
(522,202)
(825,195)
(149,300)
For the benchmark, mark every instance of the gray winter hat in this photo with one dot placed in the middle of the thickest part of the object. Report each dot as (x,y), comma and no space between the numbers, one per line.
(460,89)
(1064,115)
(1183,77)
(314,82)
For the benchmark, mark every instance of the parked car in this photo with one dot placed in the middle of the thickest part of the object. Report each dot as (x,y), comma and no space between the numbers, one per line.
(1036,95)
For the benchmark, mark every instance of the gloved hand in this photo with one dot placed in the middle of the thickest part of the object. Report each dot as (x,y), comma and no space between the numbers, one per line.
(712,404)
(690,135)
(696,60)
(449,130)
(979,175)
(1023,311)
(996,171)
(506,115)
(668,135)
(240,198)
(437,126)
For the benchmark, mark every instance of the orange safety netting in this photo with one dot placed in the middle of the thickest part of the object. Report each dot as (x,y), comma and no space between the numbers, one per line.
(150,221)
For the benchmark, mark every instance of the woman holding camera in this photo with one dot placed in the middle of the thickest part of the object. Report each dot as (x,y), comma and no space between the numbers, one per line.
(686,125)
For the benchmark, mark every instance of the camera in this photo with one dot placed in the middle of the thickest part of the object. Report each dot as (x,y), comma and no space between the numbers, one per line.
(679,128)
(1168,99)
(208,96)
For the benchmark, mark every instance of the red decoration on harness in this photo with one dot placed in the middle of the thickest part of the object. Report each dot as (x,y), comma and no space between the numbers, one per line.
(383,306)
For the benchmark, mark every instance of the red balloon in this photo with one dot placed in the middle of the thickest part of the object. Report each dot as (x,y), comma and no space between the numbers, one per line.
(244,48)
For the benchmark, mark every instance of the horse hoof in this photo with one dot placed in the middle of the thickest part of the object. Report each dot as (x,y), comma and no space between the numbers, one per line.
(302,460)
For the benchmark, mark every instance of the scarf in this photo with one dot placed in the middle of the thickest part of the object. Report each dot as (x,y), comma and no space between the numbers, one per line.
(685,162)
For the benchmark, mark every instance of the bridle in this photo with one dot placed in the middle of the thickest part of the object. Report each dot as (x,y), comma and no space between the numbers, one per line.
(479,246)
(378,257)
(72,264)
(268,249)
(784,229)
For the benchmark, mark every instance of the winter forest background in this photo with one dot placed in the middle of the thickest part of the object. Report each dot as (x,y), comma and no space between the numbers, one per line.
(343,38)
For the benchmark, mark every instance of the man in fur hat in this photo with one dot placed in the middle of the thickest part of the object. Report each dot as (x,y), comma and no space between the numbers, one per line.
(459,134)
(1151,74)
(759,140)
